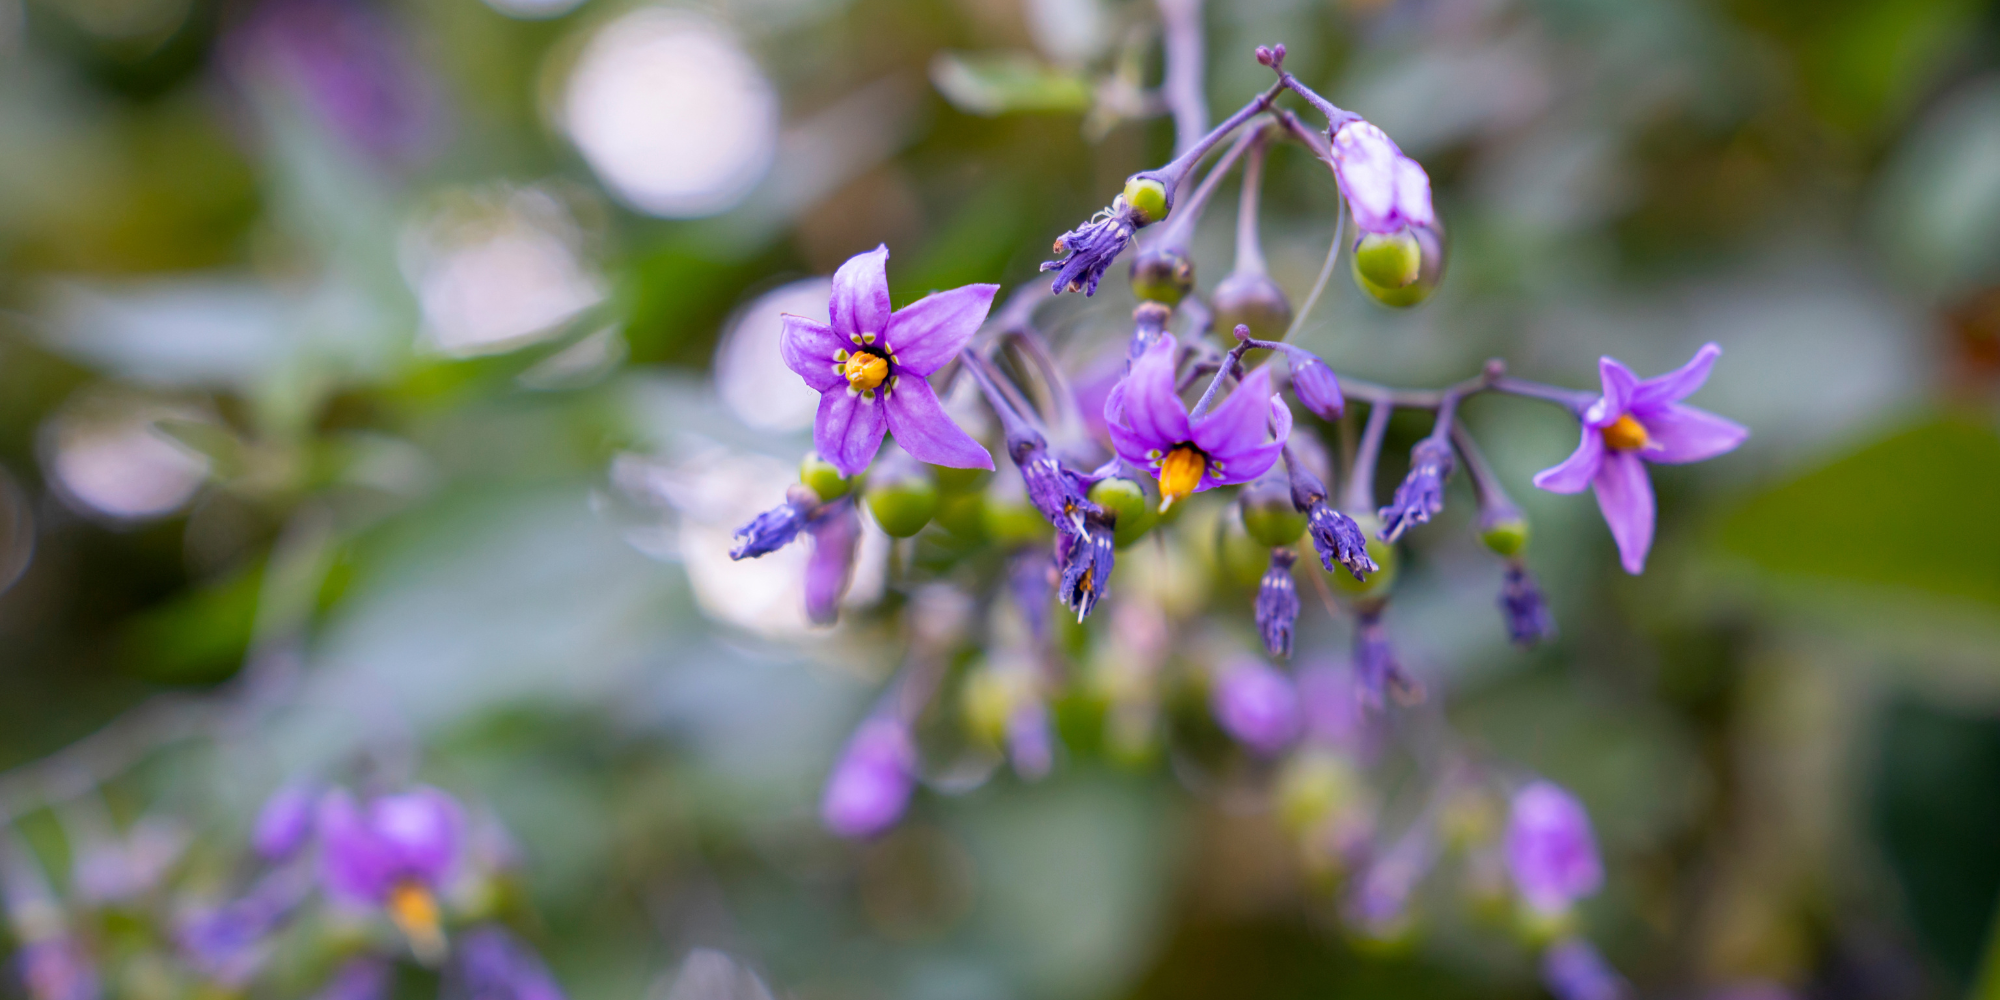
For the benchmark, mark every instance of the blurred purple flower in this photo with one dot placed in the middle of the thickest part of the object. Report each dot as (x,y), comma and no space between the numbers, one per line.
(836,533)
(1527,614)
(57,968)
(1385,190)
(775,528)
(495,965)
(1235,442)
(1635,420)
(1028,573)
(1278,604)
(1573,970)
(1328,705)
(871,784)
(1550,849)
(350,66)
(397,854)
(869,365)
(366,977)
(1086,565)
(1420,496)
(285,822)
(1375,665)
(1257,705)
(1030,743)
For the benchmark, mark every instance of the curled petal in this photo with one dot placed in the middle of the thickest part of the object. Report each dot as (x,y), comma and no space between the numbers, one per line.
(930,331)
(808,347)
(1679,434)
(848,430)
(860,300)
(1576,472)
(1618,385)
(1146,406)
(1678,384)
(924,430)
(1625,496)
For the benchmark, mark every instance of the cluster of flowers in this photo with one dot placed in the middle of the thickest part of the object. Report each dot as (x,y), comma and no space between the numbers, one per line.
(398,875)
(1104,461)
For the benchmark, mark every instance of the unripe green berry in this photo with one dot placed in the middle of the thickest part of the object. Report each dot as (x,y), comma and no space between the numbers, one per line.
(1252,299)
(1507,537)
(1382,552)
(1313,787)
(1268,514)
(904,504)
(1147,197)
(1243,559)
(1134,514)
(1014,522)
(964,515)
(1162,275)
(950,480)
(1383,265)
(822,478)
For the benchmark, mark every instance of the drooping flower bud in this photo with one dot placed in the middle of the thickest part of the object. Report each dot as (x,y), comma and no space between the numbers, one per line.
(1251,298)
(1573,970)
(1257,705)
(1278,604)
(1086,566)
(821,477)
(903,496)
(1521,603)
(1269,515)
(1051,488)
(1363,582)
(1314,382)
(775,528)
(871,784)
(1400,269)
(1551,851)
(1421,494)
(836,533)
(1090,248)
(1376,669)
(1132,513)
(1162,274)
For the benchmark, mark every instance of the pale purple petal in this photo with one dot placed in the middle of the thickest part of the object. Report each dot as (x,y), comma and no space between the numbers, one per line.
(1618,385)
(871,785)
(1678,434)
(1257,705)
(1575,473)
(1246,463)
(860,300)
(930,331)
(421,828)
(1147,405)
(1573,970)
(848,430)
(1238,422)
(830,567)
(284,823)
(1385,190)
(924,430)
(1678,384)
(1551,851)
(354,864)
(1625,496)
(808,347)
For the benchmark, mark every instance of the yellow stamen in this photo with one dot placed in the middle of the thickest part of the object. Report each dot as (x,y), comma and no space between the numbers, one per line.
(1180,473)
(415,912)
(865,371)
(1626,435)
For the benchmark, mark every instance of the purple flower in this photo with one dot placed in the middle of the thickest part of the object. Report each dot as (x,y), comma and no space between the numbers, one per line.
(1381,901)
(1086,567)
(1528,618)
(1327,701)
(1637,420)
(1550,849)
(1028,575)
(1278,604)
(57,968)
(775,528)
(366,977)
(396,853)
(1573,970)
(1375,664)
(493,964)
(285,822)
(869,365)
(1152,430)
(1052,488)
(1317,387)
(1257,705)
(1335,535)
(1090,248)
(871,784)
(1030,744)
(1385,190)
(1420,495)
(350,66)
(835,534)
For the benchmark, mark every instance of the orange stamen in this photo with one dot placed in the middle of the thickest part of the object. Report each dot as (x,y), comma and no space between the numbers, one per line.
(1626,435)
(865,371)
(415,912)
(1180,473)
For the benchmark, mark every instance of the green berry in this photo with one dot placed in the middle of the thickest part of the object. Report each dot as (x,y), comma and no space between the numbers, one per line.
(1147,197)
(1252,299)
(822,478)
(952,480)
(1134,513)
(902,506)
(1162,275)
(1268,514)
(1013,522)
(1388,260)
(1242,557)
(964,515)
(1508,537)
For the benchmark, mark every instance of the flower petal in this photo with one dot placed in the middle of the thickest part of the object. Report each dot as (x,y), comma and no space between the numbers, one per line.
(924,430)
(1678,384)
(1625,496)
(860,301)
(1385,190)
(848,430)
(808,347)
(1248,455)
(1576,471)
(1680,434)
(1238,422)
(1146,404)
(930,331)
(1618,384)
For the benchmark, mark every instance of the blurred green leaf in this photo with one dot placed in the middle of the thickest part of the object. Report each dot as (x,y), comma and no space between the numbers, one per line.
(1914,510)
(995,83)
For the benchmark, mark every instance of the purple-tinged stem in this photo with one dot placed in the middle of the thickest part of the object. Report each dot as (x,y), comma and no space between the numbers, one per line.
(1180,21)
(1493,496)
(1177,169)
(1360,493)
(1249,249)
(1181,224)
(1230,364)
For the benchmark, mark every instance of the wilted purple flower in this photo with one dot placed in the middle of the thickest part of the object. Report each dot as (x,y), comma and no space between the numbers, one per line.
(1257,705)
(871,784)
(1375,664)
(1236,442)
(366,977)
(1317,387)
(350,66)
(1573,970)
(1086,567)
(1421,494)
(1278,604)
(493,964)
(1090,248)
(1030,743)
(285,822)
(57,968)
(396,853)
(1335,535)
(775,528)
(1528,618)
(1051,488)
(870,364)
(1380,901)
(1550,849)
(1385,190)
(836,533)
(1635,420)
(1028,575)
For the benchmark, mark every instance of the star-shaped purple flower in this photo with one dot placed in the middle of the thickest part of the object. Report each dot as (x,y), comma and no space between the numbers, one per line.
(1236,442)
(869,366)
(1639,420)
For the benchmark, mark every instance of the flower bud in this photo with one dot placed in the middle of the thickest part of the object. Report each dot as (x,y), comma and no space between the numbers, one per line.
(1252,299)
(1383,553)
(1162,274)
(1257,706)
(902,500)
(871,784)
(822,478)
(285,822)
(1147,198)
(1126,500)
(1268,514)
(1402,268)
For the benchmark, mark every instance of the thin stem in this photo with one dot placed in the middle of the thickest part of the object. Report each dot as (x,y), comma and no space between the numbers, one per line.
(1360,493)
(1012,423)
(1181,224)
(1493,498)
(1062,401)
(1575,400)
(1311,139)
(1325,270)
(1229,364)
(1180,21)
(1177,169)
(1336,116)
(1249,249)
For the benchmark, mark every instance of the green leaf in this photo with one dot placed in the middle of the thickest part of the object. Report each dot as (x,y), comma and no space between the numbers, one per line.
(995,83)
(1912,510)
